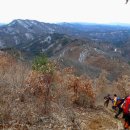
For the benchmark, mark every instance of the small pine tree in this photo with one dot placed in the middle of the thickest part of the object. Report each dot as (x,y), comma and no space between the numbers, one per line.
(43,65)
(46,68)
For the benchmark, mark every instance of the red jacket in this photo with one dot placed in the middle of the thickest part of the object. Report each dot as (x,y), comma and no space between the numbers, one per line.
(126,105)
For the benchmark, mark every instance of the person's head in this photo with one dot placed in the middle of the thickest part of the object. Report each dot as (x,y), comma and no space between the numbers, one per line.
(115,95)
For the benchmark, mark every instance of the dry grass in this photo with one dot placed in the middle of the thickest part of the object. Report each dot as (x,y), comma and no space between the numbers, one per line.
(28,97)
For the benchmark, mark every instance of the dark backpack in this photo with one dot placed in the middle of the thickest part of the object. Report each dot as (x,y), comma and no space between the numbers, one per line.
(119,102)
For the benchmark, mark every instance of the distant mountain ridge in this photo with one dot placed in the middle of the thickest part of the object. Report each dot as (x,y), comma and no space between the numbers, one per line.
(30,35)
(19,31)
(89,48)
(1,24)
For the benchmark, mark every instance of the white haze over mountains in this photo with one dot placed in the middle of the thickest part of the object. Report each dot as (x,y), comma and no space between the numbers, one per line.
(96,11)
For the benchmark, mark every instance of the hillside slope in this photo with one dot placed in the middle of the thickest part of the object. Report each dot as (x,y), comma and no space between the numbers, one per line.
(90,49)
(22,100)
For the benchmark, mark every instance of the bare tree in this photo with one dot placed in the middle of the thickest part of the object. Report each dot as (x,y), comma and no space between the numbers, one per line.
(127,1)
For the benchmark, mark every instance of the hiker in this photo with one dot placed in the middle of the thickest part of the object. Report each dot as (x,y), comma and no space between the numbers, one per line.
(114,102)
(107,99)
(126,112)
(119,106)
(117,102)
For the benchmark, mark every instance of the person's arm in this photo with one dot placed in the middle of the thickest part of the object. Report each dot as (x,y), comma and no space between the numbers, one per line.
(110,99)
(122,105)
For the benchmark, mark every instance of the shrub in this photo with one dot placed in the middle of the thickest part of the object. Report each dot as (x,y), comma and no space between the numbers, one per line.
(43,65)
(40,81)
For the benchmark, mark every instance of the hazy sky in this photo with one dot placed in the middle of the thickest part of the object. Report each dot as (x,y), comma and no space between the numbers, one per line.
(99,11)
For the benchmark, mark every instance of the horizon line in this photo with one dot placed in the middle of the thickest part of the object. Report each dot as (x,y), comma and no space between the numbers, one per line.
(79,22)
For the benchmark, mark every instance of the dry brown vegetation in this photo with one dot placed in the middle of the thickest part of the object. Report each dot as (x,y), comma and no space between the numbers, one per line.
(33,100)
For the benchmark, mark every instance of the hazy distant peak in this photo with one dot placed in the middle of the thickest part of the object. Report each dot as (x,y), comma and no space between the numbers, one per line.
(21,22)
(1,24)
